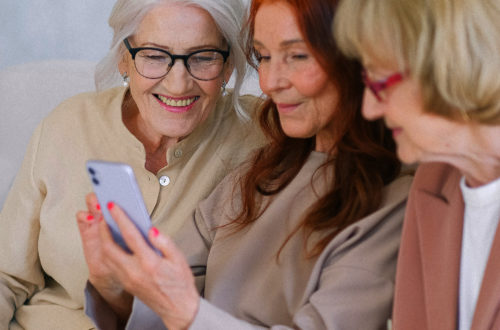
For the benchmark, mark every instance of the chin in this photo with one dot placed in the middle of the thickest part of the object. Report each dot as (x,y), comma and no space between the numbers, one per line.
(296,132)
(407,157)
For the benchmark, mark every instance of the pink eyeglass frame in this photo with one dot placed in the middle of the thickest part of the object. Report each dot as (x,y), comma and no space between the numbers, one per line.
(376,86)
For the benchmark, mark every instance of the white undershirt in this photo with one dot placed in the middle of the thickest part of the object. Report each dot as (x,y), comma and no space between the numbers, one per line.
(482,214)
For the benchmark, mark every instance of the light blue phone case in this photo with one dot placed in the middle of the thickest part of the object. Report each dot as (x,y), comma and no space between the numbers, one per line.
(115,182)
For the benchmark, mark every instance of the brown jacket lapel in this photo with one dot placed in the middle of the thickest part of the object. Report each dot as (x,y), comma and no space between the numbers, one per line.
(440,224)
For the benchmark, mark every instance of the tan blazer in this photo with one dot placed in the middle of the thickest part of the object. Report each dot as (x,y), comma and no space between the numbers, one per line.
(427,278)
(42,268)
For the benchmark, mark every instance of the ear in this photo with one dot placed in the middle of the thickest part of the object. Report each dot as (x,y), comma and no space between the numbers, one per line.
(228,71)
(123,65)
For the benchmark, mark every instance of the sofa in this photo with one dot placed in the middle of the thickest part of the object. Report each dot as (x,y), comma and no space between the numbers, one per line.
(28,92)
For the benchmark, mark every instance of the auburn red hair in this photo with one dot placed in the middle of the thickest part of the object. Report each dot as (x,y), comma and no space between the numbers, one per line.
(365,158)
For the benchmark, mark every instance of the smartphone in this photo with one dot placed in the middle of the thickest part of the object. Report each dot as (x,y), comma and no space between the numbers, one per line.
(115,182)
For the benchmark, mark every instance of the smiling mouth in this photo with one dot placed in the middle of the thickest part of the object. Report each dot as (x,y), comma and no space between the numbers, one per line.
(286,107)
(176,103)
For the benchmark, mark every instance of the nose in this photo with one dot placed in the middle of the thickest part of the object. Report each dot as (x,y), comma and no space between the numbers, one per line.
(273,77)
(372,109)
(178,80)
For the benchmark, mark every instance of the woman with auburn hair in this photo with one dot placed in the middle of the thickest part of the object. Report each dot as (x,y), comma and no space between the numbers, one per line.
(432,74)
(304,235)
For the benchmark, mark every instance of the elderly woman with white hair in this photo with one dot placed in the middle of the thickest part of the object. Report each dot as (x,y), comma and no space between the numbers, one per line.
(431,70)
(172,121)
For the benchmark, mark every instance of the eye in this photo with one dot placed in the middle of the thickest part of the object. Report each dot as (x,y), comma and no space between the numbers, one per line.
(300,56)
(156,57)
(261,58)
(153,56)
(205,58)
(295,57)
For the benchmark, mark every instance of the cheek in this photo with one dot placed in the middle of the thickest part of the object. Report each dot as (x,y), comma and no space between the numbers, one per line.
(140,86)
(212,87)
(312,82)
(210,92)
(263,80)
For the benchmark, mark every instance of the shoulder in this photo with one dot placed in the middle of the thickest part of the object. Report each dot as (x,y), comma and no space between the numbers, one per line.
(397,191)
(85,104)
(228,115)
(81,117)
(237,136)
(223,203)
(372,242)
(250,102)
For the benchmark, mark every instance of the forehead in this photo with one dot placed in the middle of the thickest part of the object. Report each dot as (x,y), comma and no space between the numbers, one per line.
(178,26)
(275,22)
(379,58)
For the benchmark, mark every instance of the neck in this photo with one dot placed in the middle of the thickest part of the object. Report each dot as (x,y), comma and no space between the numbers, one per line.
(155,145)
(479,157)
(481,172)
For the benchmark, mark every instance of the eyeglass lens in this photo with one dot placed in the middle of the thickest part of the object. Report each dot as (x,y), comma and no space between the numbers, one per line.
(379,86)
(203,65)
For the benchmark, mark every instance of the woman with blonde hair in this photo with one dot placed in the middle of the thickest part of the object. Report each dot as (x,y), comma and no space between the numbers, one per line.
(431,71)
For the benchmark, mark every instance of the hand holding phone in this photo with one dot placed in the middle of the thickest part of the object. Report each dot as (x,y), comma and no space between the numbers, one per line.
(115,182)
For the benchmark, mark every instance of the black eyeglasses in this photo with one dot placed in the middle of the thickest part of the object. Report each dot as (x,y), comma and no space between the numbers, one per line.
(154,63)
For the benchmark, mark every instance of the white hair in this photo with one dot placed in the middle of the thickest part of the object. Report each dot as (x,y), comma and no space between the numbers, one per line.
(127,15)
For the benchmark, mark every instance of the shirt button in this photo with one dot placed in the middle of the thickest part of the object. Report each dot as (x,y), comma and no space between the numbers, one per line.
(164,180)
(178,153)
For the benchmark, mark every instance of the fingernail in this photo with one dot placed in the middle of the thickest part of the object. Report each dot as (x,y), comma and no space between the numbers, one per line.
(110,205)
(155,232)
(90,217)
(98,207)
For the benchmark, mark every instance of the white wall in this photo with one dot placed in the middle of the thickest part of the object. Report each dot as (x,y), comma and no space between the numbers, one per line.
(33,30)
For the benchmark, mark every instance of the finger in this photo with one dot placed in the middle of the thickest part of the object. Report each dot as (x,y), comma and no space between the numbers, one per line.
(120,263)
(132,236)
(84,218)
(85,221)
(166,246)
(111,250)
(88,227)
(93,205)
(105,234)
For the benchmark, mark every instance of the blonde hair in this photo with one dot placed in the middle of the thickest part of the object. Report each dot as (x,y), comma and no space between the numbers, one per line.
(127,15)
(451,47)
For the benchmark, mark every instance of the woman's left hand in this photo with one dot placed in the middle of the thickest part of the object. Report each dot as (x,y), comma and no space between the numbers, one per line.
(164,283)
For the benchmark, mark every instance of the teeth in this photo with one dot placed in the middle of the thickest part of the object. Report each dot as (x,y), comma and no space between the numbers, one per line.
(174,103)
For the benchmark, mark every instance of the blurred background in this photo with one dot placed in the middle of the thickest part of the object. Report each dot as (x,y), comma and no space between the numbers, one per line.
(34,30)
(40,30)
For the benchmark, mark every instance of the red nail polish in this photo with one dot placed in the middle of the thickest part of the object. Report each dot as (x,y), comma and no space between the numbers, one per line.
(110,205)
(90,217)
(98,207)
(155,231)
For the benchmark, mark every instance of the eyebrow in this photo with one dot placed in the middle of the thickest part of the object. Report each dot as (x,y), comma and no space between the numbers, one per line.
(283,44)
(194,48)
